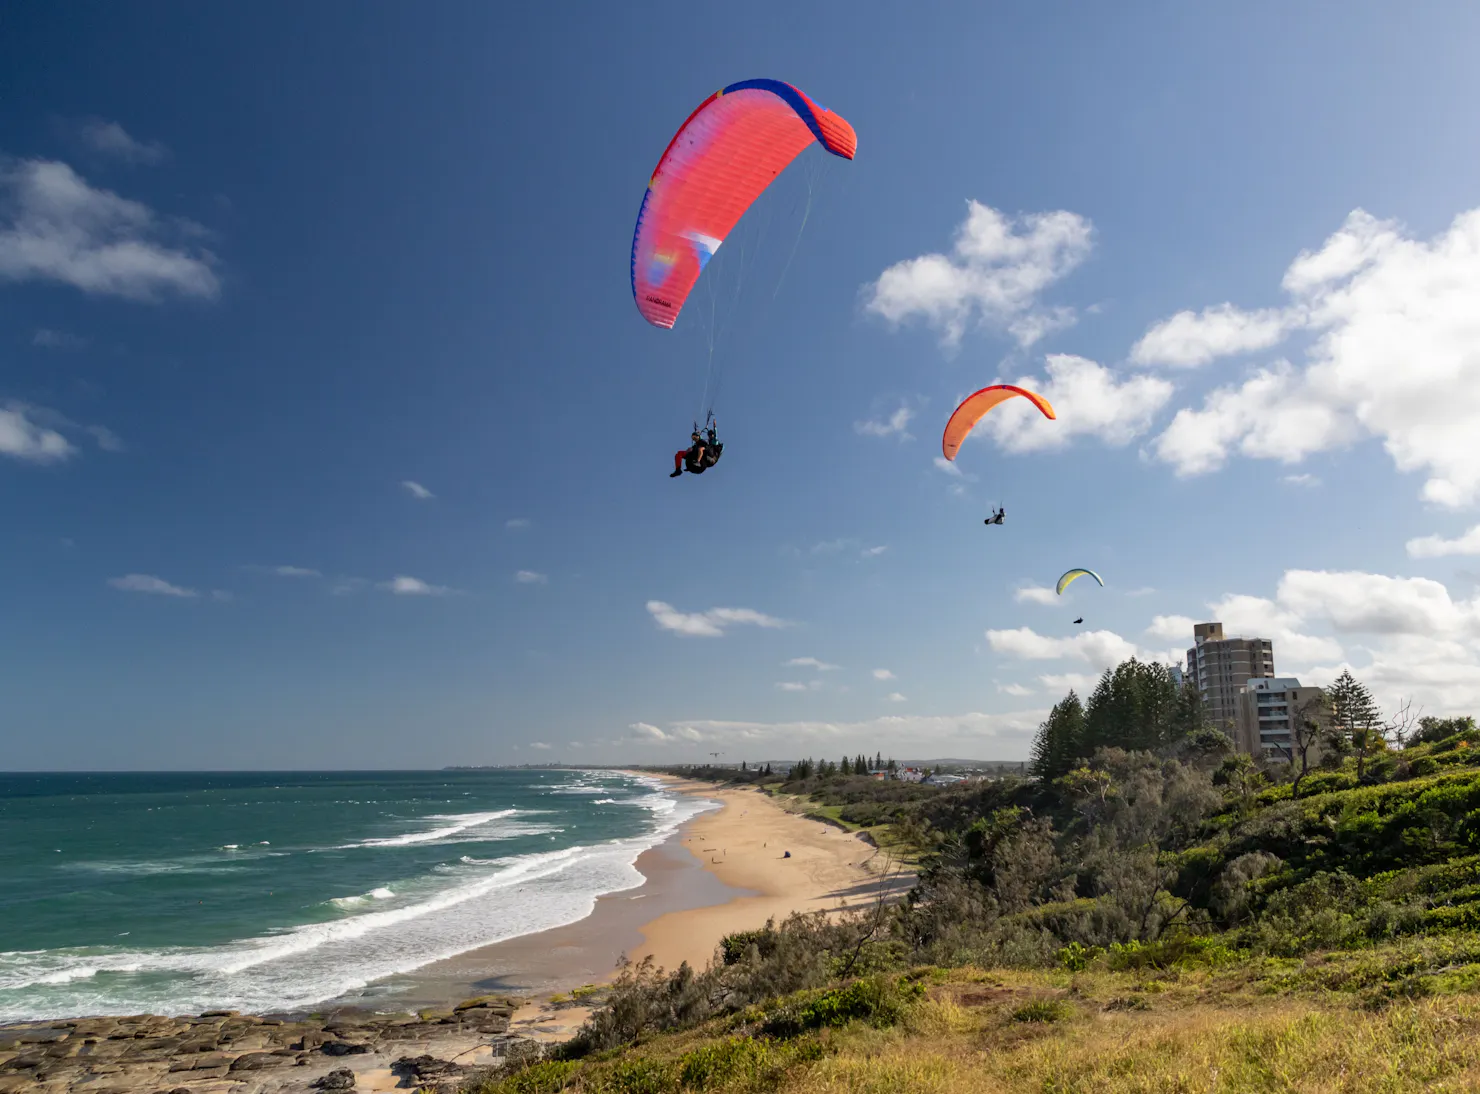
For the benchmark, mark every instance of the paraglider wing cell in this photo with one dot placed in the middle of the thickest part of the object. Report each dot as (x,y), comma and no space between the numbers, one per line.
(1074,575)
(718,163)
(975,407)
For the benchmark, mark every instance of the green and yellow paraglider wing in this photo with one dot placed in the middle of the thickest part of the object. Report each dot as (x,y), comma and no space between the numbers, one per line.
(1072,575)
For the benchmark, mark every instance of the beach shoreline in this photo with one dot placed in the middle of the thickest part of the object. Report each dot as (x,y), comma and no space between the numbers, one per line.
(731,868)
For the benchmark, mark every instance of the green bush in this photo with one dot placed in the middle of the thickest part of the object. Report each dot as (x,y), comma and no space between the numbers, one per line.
(1076,957)
(1043,1010)
(880,1001)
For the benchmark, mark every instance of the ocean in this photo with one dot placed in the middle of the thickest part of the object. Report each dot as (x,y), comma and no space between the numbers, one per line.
(176,893)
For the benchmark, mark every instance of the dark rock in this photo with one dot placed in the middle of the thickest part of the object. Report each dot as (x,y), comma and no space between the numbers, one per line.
(311,1039)
(423,1068)
(340,1079)
(41,1036)
(343,1048)
(220,1013)
(257,1061)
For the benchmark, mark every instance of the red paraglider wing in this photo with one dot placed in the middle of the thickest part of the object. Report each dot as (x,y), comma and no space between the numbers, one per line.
(729,150)
(975,406)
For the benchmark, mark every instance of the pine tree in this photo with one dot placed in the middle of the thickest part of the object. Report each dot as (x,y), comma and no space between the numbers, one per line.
(1060,739)
(878,761)
(1354,715)
(1136,705)
(742,765)
(846,767)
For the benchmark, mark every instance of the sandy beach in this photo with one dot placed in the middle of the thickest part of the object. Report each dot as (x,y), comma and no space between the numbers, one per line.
(724,871)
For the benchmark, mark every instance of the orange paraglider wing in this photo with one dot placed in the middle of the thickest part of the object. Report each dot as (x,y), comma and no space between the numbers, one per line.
(976,406)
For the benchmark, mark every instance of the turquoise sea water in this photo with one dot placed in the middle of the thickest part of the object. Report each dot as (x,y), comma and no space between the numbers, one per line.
(175,893)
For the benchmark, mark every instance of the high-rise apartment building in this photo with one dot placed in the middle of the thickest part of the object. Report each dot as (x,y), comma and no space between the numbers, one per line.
(1266,713)
(1219,668)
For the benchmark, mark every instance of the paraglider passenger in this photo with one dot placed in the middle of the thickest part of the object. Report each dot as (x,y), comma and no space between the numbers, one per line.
(690,458)
(997,517)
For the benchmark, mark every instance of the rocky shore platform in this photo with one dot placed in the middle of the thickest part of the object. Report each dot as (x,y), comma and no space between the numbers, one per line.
(225,1052)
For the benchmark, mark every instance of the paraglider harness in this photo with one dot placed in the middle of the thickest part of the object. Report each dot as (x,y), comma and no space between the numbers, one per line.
(710,444)
(997,517)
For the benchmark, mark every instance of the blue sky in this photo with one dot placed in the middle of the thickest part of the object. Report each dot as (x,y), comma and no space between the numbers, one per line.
(262,267)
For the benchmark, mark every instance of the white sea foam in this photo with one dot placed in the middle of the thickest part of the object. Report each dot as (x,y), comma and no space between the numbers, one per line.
(391,929)
(459,823)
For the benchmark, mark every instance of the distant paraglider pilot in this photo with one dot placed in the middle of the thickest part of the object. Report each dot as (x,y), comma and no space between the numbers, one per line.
(702,454)
(996,518)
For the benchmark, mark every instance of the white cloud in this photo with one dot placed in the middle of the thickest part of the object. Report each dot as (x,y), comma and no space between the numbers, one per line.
(531,577)
(874,552)
(1101,649)
(293,571)
(1272,415)
(1090,401)
(1083,683)
(1014,689)
(417,490)
(647,733)
(997,270)
(1187,340)
(58,228)
(710,624)
(809,663)
(949,467)
(1035,594)
(517,523)
(1303,479)
(22,438)
(112,139)
(412,586)
(793,685)
(891,427)
(895,697)
(1253,615)
(540,745)
(1172,628)
(882,674)
(45,338)
(1396,356)
(148,583)
(1439,547)
(1362,603)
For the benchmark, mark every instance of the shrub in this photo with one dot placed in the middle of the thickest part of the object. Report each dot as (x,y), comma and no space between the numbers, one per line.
(1077,958)
(878,1000)
(1043,1010)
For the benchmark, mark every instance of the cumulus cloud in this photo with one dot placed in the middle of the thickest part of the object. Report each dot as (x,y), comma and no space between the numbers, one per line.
(1171,628)
(148,583)
(893,426)
(1439,547)
(417,490)
(949,467)
(1271,415)
(1090,401)
(412,586)
(1396,356)
(794,685)
(997,270)
(531,577)
(1303,479)
(111,139)
(874,552)
(1100,649)
(1014,689)
(1035,594)
(895,697)
(646,732)
(1189,339)
(292,571)
(56,227)
(23,438)
(882,674)
(45,338)
(710,624)
(1083,683)
(809,663)
(540,746)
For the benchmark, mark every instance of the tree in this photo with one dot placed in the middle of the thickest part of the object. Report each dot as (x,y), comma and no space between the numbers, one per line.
(1311,726)
(1060,739)
(1354,715)
(1432,730)
(846,767)
(742,766)
(1138,706)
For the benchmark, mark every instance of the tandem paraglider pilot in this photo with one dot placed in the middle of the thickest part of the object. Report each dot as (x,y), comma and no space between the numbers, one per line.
(702,454)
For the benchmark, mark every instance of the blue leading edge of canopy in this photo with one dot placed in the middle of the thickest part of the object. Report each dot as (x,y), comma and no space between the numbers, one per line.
(783,91)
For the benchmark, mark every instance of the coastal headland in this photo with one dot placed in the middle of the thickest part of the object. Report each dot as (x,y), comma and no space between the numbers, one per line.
(729,869)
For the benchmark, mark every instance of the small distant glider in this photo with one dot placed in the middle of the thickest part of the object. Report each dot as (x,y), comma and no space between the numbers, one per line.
(1074,575)
(1079,620)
